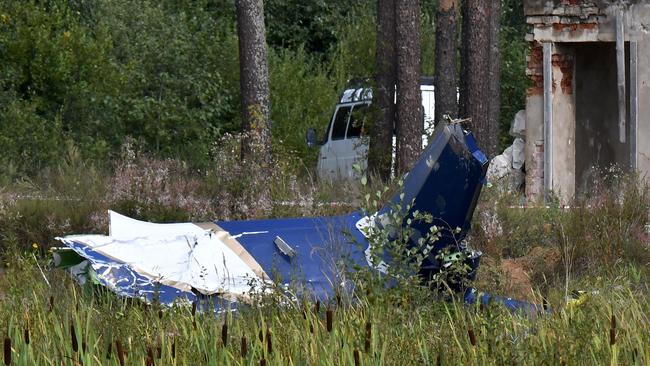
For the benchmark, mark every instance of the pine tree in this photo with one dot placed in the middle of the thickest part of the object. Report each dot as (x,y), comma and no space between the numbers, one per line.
(381,133)
(254,86)
(409,124)
(475,66)
(445,64)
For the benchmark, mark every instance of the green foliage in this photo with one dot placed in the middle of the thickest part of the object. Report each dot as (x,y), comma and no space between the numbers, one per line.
(354,55)
(166,75)
(302,96)
(309,24)
(514,81)
(390,234)
(96,72)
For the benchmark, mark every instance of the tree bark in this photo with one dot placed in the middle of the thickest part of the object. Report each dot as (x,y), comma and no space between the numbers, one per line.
(445,63)
(409,124)
(254,87)
(494,108)
(475,54)
(381,133)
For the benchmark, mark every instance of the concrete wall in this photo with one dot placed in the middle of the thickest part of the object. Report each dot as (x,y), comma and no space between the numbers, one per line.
(643,129)
(564,123)
(534,148)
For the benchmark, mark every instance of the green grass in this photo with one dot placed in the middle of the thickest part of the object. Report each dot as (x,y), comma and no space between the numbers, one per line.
(407,326)
(600,246)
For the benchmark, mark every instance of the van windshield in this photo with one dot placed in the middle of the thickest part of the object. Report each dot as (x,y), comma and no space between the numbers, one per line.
(340,123)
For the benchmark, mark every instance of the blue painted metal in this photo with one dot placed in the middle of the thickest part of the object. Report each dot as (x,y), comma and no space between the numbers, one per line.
(446,181)
(472,296)
(320,244)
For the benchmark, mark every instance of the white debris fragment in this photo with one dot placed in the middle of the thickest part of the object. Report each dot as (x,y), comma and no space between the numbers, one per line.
(518,127)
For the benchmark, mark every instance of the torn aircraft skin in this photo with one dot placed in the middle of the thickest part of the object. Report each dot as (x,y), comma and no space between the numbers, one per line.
(226,261)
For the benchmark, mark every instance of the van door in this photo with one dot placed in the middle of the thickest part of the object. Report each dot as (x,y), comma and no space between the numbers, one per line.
(345,145)
(354,150)
(328,166)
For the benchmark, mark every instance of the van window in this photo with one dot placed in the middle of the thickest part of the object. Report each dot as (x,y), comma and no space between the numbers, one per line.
(357,120)
(340,123)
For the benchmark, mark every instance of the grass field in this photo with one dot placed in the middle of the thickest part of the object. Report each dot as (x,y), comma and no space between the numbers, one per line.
(599,245)
(66,324)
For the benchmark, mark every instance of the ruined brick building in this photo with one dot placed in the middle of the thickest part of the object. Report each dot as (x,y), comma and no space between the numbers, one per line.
(588,106)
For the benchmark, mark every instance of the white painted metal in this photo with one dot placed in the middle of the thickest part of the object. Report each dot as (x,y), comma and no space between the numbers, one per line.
(183,256)
(336,157)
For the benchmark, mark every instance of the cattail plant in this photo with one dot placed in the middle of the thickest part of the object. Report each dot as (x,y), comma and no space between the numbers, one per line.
(26,335)
(368,336)
(51,303)
(174,348)
(357,357)
(120,352)
(263,362)
(329,314)
(224,334)
(244,347)
(269,343)
(472,336)
(150,359)
(612,330)
(7,351)
(73,339)
(317,307)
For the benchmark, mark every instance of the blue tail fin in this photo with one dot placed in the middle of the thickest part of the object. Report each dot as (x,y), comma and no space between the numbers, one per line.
(445,182)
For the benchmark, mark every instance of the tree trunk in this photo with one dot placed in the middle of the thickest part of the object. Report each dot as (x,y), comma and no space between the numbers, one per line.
(254,86)
(475,55)
(445,66)
(381,133)
(494,109)
(409,124)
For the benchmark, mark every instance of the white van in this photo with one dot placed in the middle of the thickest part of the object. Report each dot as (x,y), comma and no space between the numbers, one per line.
(346,140)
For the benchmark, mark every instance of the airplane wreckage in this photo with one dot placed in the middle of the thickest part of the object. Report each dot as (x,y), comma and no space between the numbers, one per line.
(224,262)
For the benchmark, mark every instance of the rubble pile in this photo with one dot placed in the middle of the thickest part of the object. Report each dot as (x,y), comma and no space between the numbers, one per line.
(507,170)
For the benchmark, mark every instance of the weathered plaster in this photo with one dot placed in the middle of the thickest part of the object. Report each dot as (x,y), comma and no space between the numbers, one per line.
(564,124)
(643,126)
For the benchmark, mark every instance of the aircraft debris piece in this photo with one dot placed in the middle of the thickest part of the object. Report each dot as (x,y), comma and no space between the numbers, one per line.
(228,261)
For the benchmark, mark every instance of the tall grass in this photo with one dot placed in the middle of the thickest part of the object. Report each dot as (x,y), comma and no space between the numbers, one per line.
(89,326)
(55,322)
